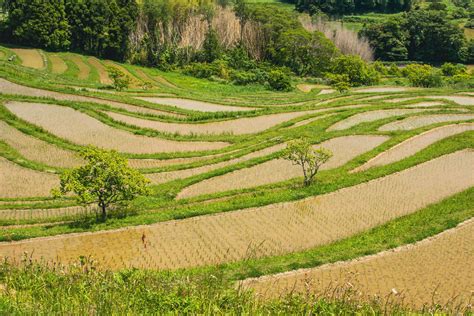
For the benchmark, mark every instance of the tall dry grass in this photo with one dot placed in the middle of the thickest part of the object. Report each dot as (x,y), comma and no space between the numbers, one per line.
(347,41)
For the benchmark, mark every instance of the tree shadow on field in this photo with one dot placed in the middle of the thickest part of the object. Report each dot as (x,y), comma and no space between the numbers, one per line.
(87,221)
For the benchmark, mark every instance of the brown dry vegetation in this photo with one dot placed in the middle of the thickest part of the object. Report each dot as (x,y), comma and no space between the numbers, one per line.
(424,120)
(37,150)
(264,231)
(430,271)
(8,87)
(415,144)
(17,181)
(347,41)
(369,117)
(31,58)
(82,129)
(344,149)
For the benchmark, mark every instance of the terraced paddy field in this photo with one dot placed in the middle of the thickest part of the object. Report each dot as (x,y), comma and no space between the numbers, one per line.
(409,273)
(382,214)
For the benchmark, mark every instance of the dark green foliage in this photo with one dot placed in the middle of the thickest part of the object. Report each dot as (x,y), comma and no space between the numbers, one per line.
(278,80)
(356,71)
(98,27)
(305,53)
(211,48)
(420,35)
(388,39)
(38,23)
(343,7)
(101,27)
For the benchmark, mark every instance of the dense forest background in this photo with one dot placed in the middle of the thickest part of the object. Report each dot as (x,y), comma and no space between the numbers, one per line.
(239,40)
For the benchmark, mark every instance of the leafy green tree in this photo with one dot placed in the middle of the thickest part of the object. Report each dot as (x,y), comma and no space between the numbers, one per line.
(102,27)
(106,179)
(120,81)
(433,37)
(422,35)
(356,70)
(388,39)
(305,53)
(301,153)
(38,23)
(211,47)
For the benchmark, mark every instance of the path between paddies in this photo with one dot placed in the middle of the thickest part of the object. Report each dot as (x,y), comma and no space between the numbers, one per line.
(435,268)
(263,231)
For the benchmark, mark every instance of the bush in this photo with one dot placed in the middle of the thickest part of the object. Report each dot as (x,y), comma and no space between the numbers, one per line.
(243,77)
(357,71)
(461,81)
(279,80)
(450,69)
(120,80)
(423,76)
(380,68)
(393,70)
(218,68)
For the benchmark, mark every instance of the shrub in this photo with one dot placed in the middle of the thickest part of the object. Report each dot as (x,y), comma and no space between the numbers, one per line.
(357,71)
(450,69)
(120,81)
(423,76)
(218,68)
(461,81)
(380,68)
(279,80)
(393,70)
(339,82)
(243,77)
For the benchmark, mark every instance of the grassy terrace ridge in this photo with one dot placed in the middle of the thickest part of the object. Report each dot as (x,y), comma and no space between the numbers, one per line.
(82,79)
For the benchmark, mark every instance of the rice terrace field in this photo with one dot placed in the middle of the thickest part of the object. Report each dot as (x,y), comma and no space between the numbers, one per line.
(389,217)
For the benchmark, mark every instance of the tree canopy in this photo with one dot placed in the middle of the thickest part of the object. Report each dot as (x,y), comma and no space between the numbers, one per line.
(105,179)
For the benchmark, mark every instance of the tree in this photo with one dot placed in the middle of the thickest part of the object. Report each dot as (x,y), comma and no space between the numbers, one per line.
(301,153)
(211,47)
(38,23)
(388,39)
(120,81)
(356,70)
(106,179)
(305,53)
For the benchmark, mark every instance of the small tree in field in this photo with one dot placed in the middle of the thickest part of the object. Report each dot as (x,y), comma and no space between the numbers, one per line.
(301,153)
(106,179)
(120,81)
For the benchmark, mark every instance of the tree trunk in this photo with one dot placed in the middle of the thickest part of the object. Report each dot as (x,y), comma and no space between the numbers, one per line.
(104,212)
